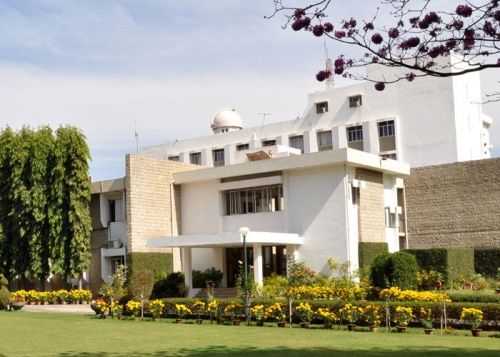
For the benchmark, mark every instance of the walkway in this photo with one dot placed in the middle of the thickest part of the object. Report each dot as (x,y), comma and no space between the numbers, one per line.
(69,308)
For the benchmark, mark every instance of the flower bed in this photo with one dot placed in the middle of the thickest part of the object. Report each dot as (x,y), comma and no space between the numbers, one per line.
(54,297)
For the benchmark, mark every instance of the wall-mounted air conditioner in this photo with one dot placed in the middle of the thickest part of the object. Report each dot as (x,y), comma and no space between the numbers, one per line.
(113,243)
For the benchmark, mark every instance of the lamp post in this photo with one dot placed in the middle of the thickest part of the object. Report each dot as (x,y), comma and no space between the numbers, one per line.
(244,231)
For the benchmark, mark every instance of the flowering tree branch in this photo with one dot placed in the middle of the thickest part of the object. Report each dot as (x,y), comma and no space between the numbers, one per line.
(417,41)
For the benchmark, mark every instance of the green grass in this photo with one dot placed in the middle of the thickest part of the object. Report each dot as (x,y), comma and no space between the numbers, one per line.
(43,334)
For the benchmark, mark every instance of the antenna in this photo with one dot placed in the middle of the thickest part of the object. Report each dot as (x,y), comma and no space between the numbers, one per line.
(136,135)
(263,120)
(328,67)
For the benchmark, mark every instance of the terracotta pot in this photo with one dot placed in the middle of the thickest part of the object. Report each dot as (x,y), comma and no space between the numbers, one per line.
(475,332)
(429,331)
(17,305)
(401,329)
(351,327)
(374,328)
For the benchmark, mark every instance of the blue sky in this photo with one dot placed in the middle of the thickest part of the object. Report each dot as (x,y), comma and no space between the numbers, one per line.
(166,65)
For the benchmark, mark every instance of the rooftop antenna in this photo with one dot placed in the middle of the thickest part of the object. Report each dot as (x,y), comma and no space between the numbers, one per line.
(263,121)
(136,135)
(329,82)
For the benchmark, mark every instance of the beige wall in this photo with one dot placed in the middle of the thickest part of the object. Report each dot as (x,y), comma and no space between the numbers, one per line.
(151,210)
(454,205)
(98,240)
(371,216)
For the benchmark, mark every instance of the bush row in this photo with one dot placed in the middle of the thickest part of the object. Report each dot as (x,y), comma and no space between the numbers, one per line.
(487,262)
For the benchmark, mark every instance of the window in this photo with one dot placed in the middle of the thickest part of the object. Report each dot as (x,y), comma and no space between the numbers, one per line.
(218,156)
(253,200)
(115,263)
(325,140)
(174,158)
(391,156)
(241,147)
(297,142)
(195,158)
(321,107)
(268,142)
(386,128)
(390,218)
(355,101)
(355,133)
(355,195)
(112,210)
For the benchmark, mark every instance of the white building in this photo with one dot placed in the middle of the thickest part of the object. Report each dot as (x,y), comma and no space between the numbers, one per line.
(427,122)
(315,187)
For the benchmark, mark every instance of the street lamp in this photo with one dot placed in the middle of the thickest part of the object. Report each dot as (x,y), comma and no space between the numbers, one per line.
(244,232)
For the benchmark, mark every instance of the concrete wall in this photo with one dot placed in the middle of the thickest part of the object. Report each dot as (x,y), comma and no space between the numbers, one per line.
(371,215)
(454,205)
(150,208)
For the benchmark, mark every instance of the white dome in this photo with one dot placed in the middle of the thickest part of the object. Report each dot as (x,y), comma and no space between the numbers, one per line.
(226,118)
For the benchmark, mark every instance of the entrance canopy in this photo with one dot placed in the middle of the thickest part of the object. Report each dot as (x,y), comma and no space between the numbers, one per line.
(225,239)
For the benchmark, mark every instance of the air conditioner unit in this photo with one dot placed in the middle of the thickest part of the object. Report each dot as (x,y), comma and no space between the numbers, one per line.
(113,243)
(355,183)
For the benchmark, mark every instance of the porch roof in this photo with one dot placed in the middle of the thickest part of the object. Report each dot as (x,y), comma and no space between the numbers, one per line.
(225,239)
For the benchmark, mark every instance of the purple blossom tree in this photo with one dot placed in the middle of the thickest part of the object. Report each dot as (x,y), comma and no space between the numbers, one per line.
(419,40)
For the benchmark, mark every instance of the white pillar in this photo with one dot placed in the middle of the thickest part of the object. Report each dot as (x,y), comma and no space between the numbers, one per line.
(258,268)
(187,269)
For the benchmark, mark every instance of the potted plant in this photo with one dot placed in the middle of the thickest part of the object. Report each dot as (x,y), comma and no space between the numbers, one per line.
(275,312)
(305,313)
(474,317)
(258,312)
(181,310)
(117,310)
(371,315)
(351,314)
(403,317)
(327,316)
(156,308)
(101,307)
(198,308)
(233,310)
(213,309)
(426,320)
(134,308)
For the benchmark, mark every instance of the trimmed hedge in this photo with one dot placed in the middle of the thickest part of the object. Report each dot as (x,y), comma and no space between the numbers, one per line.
(466,296)
(487,262)
(453,263)
(160,264)
(367,251)
(148,267)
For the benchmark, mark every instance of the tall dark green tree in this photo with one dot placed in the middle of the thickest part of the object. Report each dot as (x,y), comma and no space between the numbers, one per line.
(70,219)
(45,221)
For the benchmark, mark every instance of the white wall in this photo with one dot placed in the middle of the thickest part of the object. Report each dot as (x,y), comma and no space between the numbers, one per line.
(315,209)
(200,208)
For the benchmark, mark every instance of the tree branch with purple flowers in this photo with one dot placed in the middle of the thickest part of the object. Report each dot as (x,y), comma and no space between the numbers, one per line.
(419,40)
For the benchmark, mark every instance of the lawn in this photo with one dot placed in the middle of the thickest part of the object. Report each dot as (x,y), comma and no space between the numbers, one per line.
(43,334)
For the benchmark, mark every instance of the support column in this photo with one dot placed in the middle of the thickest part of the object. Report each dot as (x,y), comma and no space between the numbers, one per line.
(187,268)
(258,268)
(291,251)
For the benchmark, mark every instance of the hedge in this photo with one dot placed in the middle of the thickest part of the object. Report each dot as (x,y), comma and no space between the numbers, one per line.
(487,262)
(472,296)
(453,263)
(399,269)
(367,251)
(150,267)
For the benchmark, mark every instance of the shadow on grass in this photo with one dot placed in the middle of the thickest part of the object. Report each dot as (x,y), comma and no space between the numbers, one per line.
(284,351)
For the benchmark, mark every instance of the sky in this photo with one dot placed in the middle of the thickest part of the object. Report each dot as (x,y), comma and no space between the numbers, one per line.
(161,67)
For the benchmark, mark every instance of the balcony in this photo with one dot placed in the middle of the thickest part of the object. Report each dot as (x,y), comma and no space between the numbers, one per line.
(274,151)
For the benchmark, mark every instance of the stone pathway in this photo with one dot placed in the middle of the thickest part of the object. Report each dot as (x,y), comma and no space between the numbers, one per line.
(70,308)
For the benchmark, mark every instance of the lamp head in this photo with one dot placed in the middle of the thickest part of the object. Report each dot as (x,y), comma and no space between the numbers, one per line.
(244,231)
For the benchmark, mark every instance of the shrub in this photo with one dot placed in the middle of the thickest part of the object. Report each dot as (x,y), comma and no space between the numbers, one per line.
(160,264)
(4,293)
(473,296)
(397,269)
(403,270)
(172,286)
(275,286)
(487,262)
(378,275)
(200,278)
(367,251)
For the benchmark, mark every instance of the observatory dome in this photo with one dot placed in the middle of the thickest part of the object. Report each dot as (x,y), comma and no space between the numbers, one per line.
(226,119)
